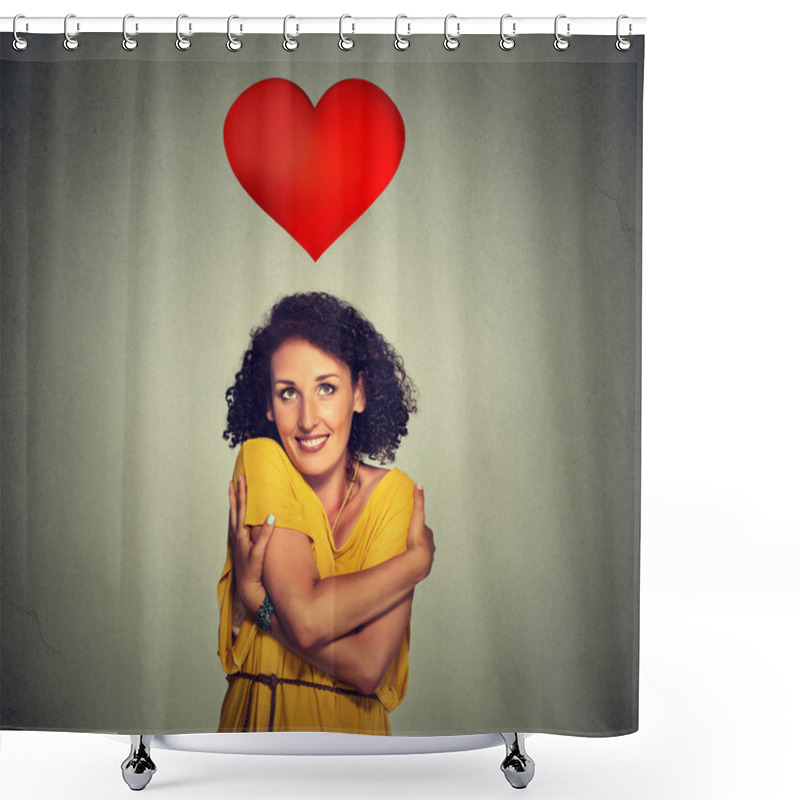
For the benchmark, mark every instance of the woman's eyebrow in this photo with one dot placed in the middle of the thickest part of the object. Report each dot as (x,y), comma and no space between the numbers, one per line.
(325,377)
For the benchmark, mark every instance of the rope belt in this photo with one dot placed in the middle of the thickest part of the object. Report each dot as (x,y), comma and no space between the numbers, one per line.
(272,681)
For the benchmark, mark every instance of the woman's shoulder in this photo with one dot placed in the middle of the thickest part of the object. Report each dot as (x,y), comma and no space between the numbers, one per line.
(392,485)
(263,445)
(386,517)
(264,456)
(274,486)
(402,481)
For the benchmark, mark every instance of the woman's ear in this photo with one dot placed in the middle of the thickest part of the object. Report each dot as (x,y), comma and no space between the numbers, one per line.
(270,415)
(360,396)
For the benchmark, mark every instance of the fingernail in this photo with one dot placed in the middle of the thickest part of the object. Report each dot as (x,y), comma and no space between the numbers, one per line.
(420,487)
(271,519)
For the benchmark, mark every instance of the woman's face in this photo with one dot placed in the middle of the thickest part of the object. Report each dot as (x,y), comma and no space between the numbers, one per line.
(312,403)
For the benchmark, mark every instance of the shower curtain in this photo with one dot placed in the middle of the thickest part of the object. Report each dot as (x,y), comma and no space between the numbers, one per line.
(480,206)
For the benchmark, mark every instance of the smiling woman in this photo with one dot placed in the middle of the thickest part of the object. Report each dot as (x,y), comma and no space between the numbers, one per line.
(324,549)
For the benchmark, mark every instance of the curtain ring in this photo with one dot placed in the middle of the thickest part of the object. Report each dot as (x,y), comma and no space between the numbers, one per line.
(128,42)
(181,42)
(451,42)
(507,42)
(290,43)
(400,42)
(233,44)
(560,42)
(345,43)
(70,42)
(19,42)
(623,43)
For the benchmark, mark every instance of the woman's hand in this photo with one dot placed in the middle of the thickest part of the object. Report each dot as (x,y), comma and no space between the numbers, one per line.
(248,545)
(420,536)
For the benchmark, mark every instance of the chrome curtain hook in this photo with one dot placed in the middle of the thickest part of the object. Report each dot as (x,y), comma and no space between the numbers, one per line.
(19,43)
(507,42)
(128,42)
(233,44)
(623,43)
(181,42)
(70,42)
(400,42)
(451,41)
(290,43)
(560,43)
(345,43)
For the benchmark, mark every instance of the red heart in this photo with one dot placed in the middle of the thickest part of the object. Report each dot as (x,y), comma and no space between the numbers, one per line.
(315,171)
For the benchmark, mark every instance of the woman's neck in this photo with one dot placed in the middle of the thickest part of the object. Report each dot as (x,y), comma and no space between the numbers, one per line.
(331,488)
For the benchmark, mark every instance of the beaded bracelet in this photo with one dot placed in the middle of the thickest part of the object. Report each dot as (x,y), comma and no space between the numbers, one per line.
(264,616)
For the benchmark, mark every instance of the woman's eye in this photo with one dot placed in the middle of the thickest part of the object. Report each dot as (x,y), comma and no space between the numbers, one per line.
(326,388)
(288,394)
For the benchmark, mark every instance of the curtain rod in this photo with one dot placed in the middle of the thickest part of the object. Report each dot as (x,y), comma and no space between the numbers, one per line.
(297,26)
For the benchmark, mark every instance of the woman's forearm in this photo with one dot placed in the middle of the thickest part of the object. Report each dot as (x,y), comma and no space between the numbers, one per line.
(360,658)
(315,611)
(356,599)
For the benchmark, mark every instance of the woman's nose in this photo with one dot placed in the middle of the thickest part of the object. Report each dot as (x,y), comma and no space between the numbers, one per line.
(308,415)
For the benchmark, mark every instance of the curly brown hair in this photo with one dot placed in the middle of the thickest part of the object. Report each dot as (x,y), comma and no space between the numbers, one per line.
(341,331)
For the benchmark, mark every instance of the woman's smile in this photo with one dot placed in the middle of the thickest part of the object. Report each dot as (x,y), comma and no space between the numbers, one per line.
(311,444)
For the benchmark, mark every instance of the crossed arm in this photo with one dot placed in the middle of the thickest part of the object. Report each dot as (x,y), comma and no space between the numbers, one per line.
(350,625)
(360,658)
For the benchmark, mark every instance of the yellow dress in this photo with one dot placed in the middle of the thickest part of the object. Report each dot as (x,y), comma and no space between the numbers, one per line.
(282,692)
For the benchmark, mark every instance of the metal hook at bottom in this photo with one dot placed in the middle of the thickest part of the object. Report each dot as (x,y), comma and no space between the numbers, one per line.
(138,768)
(517,766)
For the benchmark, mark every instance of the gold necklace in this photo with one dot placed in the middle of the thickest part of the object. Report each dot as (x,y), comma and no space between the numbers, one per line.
(346,498)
